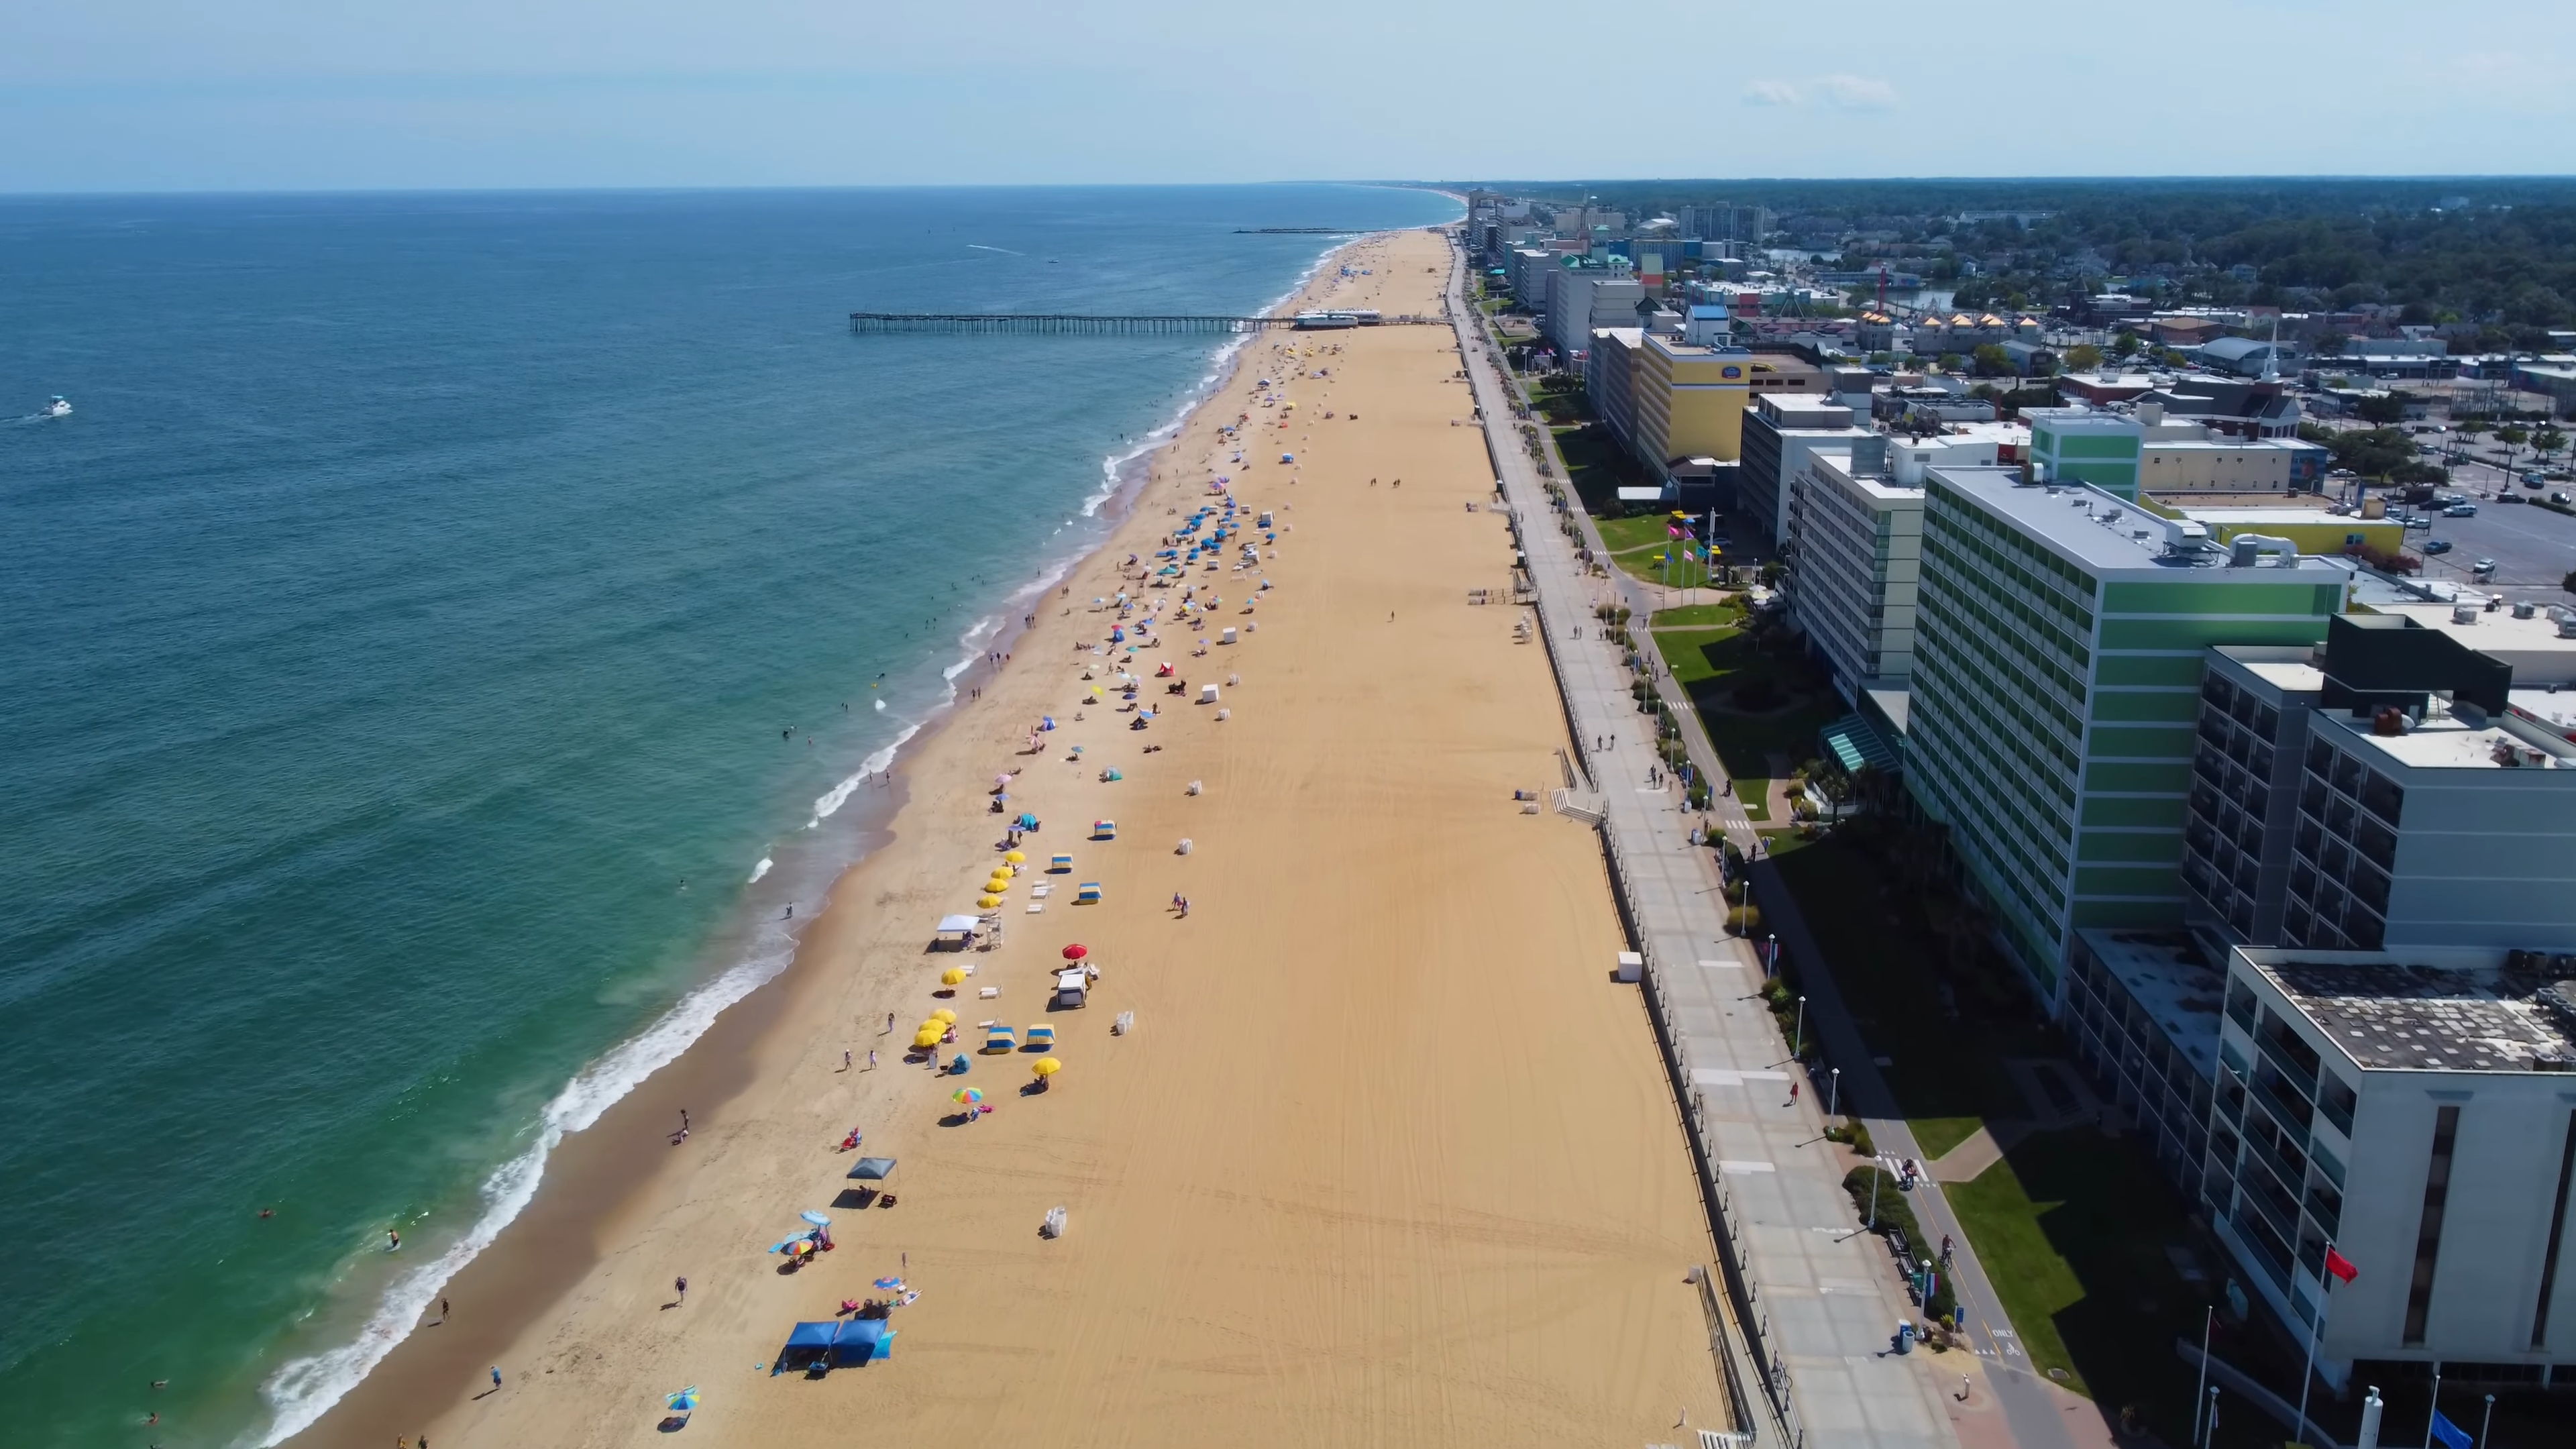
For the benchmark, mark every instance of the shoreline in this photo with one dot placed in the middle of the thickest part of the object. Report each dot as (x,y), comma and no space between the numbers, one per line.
(548,1244)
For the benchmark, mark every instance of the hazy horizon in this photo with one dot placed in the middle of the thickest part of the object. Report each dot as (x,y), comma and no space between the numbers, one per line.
(159,96)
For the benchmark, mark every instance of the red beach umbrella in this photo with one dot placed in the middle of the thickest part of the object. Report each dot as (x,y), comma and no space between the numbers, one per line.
(1076,953)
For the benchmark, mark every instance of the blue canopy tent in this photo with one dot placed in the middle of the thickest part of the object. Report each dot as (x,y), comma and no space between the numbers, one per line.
(860,1340)
(872,1169)
(808,1346)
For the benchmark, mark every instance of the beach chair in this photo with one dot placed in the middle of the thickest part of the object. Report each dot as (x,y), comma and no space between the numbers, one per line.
(1088,894)
(1041,1037)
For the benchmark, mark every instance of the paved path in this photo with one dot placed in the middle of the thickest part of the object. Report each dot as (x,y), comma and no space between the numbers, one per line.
(2038,1413)
(1816,1301)
(1983,1149)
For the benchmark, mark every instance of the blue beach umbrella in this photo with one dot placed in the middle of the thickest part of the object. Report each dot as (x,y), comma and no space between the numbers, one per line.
(682,1402)
(817,1219)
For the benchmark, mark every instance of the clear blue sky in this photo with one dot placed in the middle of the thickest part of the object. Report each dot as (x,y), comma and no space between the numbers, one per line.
(120,95)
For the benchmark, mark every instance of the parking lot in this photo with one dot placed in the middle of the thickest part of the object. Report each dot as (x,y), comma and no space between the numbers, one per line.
(2534,548)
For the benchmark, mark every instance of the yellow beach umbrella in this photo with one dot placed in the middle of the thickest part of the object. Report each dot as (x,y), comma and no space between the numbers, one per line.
(1004,869)
(998,883)
(945,1016)
(987,902)
(928,1036)
(1016,857)
(1046,1067)
(953,976)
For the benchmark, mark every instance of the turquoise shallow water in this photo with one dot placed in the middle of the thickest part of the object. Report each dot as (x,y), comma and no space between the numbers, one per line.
(395,646)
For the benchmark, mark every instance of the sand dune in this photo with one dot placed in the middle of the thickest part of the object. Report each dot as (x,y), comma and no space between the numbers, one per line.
(1387,1159)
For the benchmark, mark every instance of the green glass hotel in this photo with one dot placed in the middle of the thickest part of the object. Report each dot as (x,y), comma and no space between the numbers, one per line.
(2059,645)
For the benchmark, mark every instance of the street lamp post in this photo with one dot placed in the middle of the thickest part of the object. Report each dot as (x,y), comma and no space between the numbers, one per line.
(1834,1094)
(1798,1043)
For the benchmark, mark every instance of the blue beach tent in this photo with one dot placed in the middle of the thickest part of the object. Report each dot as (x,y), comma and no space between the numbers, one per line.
(860,1340)
(808,1345)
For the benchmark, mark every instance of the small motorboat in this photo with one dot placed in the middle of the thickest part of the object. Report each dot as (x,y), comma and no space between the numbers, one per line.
(58,408)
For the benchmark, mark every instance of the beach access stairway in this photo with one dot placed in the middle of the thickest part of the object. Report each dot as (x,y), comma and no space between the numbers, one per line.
(1814,1301)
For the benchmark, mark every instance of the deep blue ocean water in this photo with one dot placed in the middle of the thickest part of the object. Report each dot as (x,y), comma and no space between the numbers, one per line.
(395,645)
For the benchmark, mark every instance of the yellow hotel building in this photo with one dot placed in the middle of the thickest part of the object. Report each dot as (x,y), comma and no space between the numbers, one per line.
(1690,399)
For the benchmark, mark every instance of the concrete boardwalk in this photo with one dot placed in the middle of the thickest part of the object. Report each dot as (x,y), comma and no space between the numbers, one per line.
(1816,1300)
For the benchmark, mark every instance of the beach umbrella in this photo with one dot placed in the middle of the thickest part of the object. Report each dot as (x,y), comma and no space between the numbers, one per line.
(1047,1066)
(1001,782)
(968,1095)
(944,1016)
(988,902)
(683,1401)
(887,1283)
(1016,857)
(1076,952)
(953,976)
(816,1218)
(928,1036)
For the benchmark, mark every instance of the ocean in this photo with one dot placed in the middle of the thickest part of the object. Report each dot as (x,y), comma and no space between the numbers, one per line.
(436,650)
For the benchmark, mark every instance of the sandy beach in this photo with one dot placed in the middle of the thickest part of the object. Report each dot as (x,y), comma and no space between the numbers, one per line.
(1386,1156)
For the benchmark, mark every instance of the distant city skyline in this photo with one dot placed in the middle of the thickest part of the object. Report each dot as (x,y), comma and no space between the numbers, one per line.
(160,95)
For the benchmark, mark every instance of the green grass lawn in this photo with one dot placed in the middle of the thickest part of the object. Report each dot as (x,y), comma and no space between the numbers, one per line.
(1710,664)
(2072,1229)
(1699,616)
(1595,467)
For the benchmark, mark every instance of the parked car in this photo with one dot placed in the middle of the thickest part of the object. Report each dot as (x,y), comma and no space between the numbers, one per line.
(2461,510)
(2483,568)
(2532,480)
(2511,498)
(2437,545)
(2559,497)
(2418,521)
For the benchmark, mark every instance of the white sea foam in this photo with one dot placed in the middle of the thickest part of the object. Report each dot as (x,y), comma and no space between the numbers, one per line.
(830,801)
(759,870)
(301,1391)
(1113,469)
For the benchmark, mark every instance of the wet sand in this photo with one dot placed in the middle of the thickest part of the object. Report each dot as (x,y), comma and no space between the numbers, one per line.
(1386,1158)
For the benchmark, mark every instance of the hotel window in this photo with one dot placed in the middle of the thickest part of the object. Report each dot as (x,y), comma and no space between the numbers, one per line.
(2428,1228)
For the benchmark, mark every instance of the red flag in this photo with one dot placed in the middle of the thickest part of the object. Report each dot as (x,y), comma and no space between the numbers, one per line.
(2341,1266)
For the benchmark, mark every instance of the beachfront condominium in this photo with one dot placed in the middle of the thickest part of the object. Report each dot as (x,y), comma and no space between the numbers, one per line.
(1583,299)
(1610,381)
(1855,554)
(2059,642)
(1778,431)
(2387,790)
(2411,1110)
(2086,446)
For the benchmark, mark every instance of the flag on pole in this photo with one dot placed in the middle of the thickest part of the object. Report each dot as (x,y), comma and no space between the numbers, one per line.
(2341,1266)
(2449,1433)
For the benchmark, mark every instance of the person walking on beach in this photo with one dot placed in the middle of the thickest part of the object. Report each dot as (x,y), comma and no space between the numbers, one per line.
(680,1287)
(845,1059)
(872,1061)
(889,1023)
(496,1378)
(442,1310)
